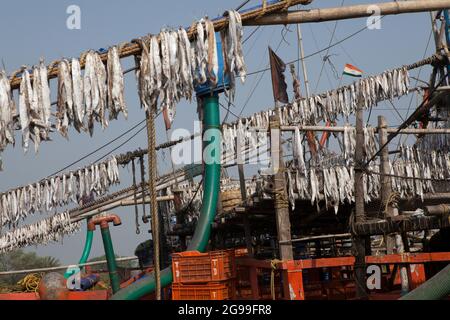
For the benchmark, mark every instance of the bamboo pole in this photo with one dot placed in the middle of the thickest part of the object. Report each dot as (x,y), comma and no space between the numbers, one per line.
(349,12)
(359,243)
(132,49)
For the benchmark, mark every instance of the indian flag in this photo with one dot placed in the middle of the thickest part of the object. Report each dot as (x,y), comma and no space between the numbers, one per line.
(352,71)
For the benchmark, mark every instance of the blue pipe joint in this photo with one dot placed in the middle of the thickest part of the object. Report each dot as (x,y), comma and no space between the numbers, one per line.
(223,83)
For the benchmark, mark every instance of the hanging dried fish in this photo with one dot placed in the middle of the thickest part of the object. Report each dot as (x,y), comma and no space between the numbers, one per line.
(7,113)
(79,107)
(25,103)
(65,110)
(57,191)
(116,100)
(42,232)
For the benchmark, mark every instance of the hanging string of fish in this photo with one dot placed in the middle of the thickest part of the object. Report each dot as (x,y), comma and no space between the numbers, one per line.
(82,99)
(41,233)
(328,106)
(44,196)
(329,177)
(170,66)
(423,164)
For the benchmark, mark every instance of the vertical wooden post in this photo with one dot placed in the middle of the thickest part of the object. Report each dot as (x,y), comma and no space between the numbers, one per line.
(359,242)
(151,132)
(386,186)
(281,196)
(386,192)
(247,229)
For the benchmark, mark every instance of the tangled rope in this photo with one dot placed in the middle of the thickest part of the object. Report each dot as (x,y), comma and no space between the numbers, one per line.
(30,283)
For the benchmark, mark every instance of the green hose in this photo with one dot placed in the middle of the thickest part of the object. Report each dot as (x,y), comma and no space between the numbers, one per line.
(436,288)
(211,120)
(86,251)
(111,259)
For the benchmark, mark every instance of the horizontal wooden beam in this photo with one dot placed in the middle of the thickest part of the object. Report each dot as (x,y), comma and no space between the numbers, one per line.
(349,12)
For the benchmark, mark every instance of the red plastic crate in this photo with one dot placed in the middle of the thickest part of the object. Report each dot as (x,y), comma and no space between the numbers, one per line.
(225,290)
(195,267)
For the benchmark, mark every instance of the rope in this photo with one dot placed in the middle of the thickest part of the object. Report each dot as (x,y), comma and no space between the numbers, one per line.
(30,283)
(151,131)
(281,201)
(393,199)
(274,267)
(136,210)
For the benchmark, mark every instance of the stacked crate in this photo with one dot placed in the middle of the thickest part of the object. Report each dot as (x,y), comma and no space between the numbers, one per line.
(204,276)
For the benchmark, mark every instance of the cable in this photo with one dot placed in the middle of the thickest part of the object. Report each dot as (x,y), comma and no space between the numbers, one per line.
(320,51)
(98,149)
(417,82)
(325,59)
(121,145)
(257,84)
(243,4)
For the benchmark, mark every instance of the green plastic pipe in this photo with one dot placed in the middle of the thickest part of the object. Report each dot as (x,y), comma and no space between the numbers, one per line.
(211,120)
(111,259)
(437,288)
(86,251)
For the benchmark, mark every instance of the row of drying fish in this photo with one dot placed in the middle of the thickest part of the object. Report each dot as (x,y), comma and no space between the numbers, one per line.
(411,175)
(170,68)
(255,139)
(330,105)
(18,204)
(43,232)
(417,163)
(434,142)
(367,93)
(333,184)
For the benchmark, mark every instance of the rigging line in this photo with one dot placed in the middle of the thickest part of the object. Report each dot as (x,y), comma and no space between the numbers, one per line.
(326,57)
(317,47)
(98,149)
(257,83)
(417,82)
(122,144)
(396,110)
(342,47)
(321,57)
(251,34)
(319,51)
(126,141)
(243,4)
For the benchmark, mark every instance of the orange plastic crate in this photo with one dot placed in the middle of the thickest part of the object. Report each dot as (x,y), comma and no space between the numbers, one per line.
(225,290)
(195,267)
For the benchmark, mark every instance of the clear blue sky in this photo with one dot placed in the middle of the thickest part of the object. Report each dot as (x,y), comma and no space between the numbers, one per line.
(35,29)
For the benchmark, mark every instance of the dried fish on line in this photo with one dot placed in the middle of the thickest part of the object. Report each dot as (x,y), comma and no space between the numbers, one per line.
(18,204)
(7,112)
(116,100)
(43,232)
